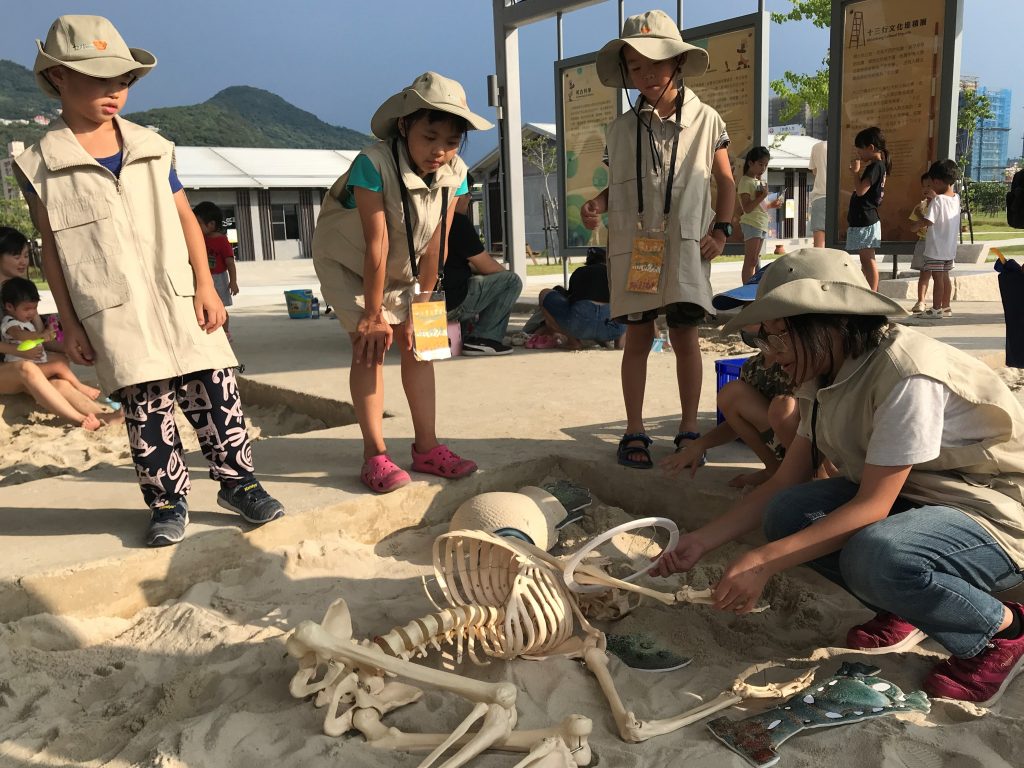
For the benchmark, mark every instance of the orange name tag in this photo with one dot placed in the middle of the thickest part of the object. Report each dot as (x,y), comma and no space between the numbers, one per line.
(430,327)
(645,263)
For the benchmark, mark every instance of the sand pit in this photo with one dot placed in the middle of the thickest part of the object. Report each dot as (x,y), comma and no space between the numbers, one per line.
(38,444)
(201,681)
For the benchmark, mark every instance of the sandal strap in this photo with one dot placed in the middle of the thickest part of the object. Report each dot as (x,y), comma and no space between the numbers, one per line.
(635,437)
(685,436)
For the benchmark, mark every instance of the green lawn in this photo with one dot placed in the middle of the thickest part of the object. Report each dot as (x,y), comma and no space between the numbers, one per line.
(1008,251)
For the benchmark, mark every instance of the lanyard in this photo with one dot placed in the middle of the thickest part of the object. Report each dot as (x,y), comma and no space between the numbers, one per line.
(408,221)
(672,162)
(815,453)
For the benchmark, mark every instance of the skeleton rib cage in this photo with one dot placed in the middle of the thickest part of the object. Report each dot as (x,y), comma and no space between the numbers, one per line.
(501,595)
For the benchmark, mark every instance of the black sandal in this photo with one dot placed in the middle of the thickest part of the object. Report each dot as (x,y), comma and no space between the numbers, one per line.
(622,454)
(691,436)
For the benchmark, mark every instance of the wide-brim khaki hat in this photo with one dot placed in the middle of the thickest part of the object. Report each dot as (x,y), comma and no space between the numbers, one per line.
(428,91)
(656,36)
(90,45)
(814,281)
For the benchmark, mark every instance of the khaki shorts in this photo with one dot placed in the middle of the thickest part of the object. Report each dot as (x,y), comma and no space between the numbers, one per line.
(682,314)
(343,291)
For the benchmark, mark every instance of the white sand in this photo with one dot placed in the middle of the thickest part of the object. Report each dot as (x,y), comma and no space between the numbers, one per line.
(38,444)
(201,682)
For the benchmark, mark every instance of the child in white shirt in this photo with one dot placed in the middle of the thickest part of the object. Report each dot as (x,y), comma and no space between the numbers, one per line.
(943,221)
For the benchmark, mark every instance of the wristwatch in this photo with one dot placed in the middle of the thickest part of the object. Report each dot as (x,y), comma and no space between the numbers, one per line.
(725,226)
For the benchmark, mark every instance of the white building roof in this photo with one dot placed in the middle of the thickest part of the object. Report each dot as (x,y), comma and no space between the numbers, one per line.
(488,162)
(790,151)
(258,168)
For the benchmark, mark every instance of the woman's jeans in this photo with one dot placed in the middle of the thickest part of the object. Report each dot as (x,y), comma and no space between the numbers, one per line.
(933,566)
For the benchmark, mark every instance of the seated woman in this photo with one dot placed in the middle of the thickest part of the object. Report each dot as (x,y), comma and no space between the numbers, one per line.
(580,313)
(58,396)
(14,262)
(926,520)
(51,384)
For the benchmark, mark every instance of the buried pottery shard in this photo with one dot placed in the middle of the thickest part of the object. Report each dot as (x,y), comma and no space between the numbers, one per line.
(851,695)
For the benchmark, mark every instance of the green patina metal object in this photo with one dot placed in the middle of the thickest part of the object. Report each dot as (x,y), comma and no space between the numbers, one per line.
(853,694)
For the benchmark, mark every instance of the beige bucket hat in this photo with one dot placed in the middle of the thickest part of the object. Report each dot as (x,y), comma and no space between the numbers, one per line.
(90,45)
(656,36)
(428,91)
(814,281)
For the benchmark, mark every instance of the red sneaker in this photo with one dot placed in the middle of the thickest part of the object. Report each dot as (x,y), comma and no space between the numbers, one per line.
(982,678)
(886,633)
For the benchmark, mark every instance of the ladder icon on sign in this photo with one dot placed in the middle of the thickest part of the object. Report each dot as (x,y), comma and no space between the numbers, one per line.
(857,30)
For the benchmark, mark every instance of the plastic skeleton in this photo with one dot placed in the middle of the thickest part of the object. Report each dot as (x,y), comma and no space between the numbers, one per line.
(354,686)
(505,599)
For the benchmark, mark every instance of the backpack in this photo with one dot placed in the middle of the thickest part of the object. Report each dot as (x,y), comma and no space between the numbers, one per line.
(1015,202)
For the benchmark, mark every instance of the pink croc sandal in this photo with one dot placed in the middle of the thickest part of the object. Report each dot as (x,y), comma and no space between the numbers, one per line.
(381,475)
(442,462)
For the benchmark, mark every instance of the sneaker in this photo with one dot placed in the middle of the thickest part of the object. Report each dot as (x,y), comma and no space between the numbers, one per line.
(982,678)
(478,347)
(886,633)
(167,525)
(250,501)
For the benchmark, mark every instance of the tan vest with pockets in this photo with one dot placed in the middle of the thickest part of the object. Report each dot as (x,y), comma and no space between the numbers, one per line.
(984,479)
(123,254)
(339,231)
(685,277)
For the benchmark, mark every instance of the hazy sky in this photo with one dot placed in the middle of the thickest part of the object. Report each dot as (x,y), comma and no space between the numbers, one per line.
(341,58)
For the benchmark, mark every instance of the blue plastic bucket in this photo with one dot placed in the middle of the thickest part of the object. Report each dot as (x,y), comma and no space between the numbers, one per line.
(300,303)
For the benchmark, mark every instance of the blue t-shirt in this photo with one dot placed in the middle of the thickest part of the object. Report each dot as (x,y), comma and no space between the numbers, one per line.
(364,174)
(113,164)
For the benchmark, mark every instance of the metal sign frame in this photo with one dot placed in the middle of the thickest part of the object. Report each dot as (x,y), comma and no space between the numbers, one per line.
(952,34)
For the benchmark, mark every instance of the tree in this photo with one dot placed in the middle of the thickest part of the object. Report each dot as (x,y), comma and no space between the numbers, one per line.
(987,197)
(539,151)
(14,213)
(799,89)
(973,108)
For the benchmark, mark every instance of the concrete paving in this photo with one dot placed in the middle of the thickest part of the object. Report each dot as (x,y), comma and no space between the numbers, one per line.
(73,543)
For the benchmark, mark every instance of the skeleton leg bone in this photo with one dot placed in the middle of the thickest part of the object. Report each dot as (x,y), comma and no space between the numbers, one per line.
(549,753)
(498,722)
(573,731)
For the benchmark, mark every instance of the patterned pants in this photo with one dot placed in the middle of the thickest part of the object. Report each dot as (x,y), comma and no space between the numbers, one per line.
(209,400)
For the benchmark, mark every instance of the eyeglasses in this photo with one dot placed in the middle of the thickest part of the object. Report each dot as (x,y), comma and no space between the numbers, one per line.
(769,343)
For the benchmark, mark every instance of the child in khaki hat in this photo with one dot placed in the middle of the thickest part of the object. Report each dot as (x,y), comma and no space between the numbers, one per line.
(127,266)
(663,226)
(378,242)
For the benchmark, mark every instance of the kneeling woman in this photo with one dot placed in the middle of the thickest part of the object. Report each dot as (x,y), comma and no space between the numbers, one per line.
(926,519)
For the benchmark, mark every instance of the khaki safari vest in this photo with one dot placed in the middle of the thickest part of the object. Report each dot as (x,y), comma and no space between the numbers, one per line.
(338,236)
(123,254)
(685,277)
(984,479)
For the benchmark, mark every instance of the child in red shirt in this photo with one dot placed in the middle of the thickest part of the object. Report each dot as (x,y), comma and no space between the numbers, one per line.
(219,252)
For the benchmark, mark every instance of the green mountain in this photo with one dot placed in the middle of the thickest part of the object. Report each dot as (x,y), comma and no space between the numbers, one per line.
(20,97)
(239,116)
(242,116)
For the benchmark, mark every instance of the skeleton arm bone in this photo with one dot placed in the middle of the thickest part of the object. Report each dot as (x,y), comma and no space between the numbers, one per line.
(632,729)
